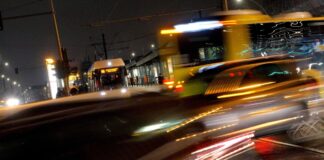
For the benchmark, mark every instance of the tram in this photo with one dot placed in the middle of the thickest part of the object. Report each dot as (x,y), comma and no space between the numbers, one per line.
(107,74)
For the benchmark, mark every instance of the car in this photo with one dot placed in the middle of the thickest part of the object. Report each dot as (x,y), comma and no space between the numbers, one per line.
(146,123)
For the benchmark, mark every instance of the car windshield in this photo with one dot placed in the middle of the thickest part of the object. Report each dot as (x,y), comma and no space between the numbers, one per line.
(157,79)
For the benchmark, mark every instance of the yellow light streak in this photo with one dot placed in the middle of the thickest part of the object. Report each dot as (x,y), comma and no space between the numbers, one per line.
(254,86)
(235,94)
(205,132)
(192,119)
(256,97)
(170,31)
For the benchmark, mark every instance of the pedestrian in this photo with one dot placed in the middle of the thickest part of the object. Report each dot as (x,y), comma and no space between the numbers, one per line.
(160,79)
(136,80)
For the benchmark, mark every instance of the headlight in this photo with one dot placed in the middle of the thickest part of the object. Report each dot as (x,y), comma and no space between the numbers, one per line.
(12,102)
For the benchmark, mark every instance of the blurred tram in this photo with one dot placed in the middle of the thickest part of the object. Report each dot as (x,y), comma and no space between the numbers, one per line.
(239,34)
(107,74)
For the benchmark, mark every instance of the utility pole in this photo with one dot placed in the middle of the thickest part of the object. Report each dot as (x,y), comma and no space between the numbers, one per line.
(225,5)
(59,45)
(104,45)
(57,33)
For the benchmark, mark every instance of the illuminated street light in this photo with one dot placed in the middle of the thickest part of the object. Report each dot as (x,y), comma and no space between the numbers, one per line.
(238,1)
(133,54)
(3,76)
(19,85)
(49,60)
(14,83)
(6,64)
(8,79)
(152,46)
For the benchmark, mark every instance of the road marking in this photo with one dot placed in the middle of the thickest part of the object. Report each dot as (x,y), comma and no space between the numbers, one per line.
(292,145)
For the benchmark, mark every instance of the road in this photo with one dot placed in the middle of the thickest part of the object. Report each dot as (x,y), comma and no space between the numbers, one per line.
(280,147)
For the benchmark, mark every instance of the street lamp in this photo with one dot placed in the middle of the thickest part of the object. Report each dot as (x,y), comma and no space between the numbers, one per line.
(152,46)
(6,64)
(133,54)
(49,60)
(2,76)
(14,83)
(8,79)
(238,1)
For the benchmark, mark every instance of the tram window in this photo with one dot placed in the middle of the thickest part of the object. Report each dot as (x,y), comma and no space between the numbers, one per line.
(266,73)
(201,47)
(294,38)
(210,53)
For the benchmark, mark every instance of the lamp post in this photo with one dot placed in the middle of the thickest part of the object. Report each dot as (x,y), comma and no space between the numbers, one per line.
(59,44)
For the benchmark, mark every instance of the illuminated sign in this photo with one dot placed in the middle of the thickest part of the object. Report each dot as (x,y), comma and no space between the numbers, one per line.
(52,79)
(109,70)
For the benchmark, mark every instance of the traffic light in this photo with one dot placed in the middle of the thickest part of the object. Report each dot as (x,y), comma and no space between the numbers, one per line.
(1,24)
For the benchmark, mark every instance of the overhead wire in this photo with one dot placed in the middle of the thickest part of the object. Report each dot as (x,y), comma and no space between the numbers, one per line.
(22,5)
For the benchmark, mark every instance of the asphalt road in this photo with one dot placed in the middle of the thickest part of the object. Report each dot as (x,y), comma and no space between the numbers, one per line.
(281,147)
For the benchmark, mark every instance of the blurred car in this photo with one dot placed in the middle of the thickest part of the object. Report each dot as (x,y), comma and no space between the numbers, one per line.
(144,123)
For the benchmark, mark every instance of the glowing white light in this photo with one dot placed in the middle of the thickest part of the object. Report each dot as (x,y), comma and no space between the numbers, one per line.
(6,64)
(12,102)
(14,82)
(152,46)
(8,79)
(3,76)
(52,79)
(198,26)
(239,1)
(153,127)
(123,90)
(109,63)
(103,93)
(133,54)
(312,64)
(298,70)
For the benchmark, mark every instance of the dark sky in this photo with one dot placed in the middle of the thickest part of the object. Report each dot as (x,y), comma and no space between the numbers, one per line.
(26,42)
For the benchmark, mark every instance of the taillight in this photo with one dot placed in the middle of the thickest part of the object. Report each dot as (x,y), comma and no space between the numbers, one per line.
(168,82)
(178,88)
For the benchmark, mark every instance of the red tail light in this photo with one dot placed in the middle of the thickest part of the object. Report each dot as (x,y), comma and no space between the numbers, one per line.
(178,88)
(168,82)
(232,74)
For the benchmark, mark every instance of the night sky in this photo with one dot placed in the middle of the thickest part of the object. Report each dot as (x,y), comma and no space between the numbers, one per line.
(26,42)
